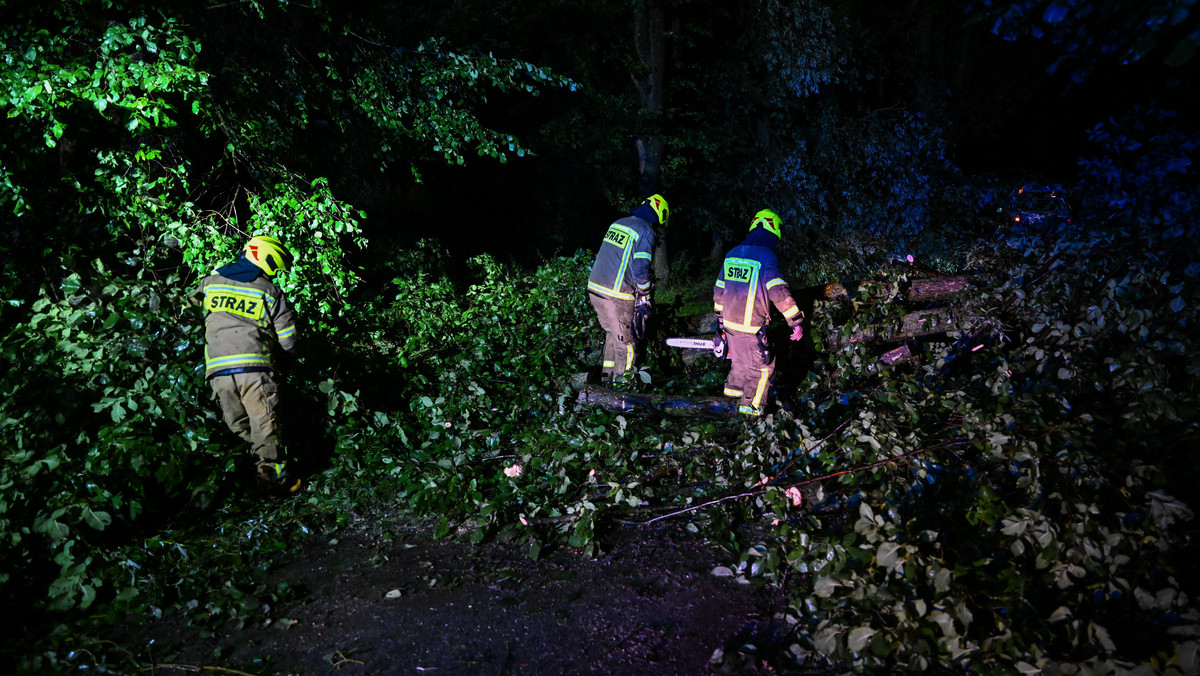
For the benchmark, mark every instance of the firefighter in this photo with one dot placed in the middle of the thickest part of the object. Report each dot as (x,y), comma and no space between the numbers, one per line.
(619,286)
(749,282)
(245,313)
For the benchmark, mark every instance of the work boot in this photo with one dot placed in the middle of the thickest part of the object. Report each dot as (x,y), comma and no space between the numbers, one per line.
(272,478)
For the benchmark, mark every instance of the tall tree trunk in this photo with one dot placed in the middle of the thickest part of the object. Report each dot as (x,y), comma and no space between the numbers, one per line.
(650,43)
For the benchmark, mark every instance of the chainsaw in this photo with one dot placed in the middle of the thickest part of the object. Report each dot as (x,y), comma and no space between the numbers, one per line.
(718,344)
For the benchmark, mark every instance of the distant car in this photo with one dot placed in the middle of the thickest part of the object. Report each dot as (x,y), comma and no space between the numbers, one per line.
(1036,207)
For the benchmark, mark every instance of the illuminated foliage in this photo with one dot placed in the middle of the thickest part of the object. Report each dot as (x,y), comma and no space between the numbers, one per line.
(134,158)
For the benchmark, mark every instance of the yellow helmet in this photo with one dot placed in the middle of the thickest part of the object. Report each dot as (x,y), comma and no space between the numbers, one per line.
(770,220)
(659,204)
(268,253)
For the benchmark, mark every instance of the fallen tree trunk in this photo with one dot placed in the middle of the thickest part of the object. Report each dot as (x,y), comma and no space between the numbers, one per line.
(913,325)
(936,288)
(857,291)
(896,356)
(684,407)
(921,290)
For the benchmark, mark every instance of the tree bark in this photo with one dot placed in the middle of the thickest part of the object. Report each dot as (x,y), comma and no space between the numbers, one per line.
(896,356)
(856,291)
(650,44)
(936,288)
(917,291)
(684,407)
(913,325)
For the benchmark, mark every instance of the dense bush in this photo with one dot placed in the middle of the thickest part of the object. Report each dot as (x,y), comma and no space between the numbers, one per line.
(107,514)
(1035,528)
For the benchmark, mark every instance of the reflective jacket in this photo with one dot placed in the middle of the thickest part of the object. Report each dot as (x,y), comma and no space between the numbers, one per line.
(749,278)
(242,318)
(622,266)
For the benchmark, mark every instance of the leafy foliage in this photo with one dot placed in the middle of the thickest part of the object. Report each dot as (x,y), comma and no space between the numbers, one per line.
(1038,521)
(1091,32)
(105,368)
(130,165)
(882,180)
(1139,173)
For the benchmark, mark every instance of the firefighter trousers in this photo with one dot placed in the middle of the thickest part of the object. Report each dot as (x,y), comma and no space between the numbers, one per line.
(751,372)
(248,402)
(615,316)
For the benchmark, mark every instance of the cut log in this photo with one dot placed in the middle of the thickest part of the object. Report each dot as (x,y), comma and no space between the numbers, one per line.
(857,291)
(684,407)
(925,322)
(913,325)
(936,288)
(900,354)
(920,290)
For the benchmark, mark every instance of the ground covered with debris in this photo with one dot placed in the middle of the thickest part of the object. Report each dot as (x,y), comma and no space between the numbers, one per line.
(398,601)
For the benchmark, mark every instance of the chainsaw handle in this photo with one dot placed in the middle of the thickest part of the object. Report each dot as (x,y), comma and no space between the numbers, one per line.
(720,344)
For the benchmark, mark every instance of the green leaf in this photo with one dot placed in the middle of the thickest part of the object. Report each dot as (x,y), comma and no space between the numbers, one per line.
(71,285)
(825,640)
(859,637)
(57,530)
(944,621)
(88,596)
(97,520)
(941,580)
(824,587)
(442,529)
(888,554)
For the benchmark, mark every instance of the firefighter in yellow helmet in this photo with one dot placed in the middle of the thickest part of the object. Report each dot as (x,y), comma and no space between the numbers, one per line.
(245,312)
(619,284)
(749,283)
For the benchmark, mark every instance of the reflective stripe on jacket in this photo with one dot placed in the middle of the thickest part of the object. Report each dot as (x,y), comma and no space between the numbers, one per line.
(749,278)
(622,266)
(241,319)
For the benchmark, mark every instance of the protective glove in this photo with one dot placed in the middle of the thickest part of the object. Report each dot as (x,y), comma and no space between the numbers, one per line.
(642,310)
(797,332)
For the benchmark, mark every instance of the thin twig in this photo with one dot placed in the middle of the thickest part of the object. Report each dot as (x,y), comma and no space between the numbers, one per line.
(340,659)
(192,667)
(762,489)
(795,457)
